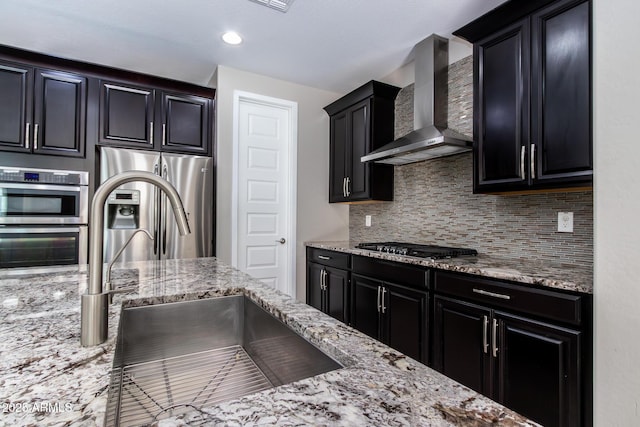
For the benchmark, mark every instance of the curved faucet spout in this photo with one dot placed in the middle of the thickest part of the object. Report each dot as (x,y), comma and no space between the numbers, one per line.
(94,309)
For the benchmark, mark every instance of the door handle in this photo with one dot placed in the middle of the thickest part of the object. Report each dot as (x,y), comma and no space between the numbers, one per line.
(485,333)
(26,136)
(156,246)
(522,153)
(533,161)
(494,338)
(35,136)
(281,240)
(165,175)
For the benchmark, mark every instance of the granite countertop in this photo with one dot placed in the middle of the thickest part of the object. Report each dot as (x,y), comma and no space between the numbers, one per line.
(47,378)
(552,275)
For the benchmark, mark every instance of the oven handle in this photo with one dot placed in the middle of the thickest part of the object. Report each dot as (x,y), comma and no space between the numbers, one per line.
(29,186)
(39,230)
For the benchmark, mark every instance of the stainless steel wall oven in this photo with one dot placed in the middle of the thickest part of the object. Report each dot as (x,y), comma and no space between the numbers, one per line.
(43,217)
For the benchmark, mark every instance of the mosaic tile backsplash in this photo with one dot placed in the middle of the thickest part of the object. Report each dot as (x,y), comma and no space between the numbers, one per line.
(434,202)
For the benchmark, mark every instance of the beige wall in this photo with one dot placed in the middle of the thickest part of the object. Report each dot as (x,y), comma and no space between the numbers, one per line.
(616,210)
(316,218)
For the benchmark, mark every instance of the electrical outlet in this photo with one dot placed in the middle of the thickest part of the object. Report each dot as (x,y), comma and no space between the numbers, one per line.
(367,220)
(565,222)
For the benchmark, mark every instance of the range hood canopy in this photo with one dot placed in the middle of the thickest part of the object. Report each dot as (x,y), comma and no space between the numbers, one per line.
(431,138)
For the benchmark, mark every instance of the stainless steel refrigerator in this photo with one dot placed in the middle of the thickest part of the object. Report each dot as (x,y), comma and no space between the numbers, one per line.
(140,205)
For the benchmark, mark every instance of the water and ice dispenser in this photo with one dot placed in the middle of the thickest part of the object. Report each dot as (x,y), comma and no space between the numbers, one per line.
(123,209)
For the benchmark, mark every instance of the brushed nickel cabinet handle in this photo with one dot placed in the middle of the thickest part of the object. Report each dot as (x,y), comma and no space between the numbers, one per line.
(27,132)
(523,151)
(151,133)
(35,136)
(326,258)
(379,306)
(485,333)
(164,134)
(384,291)
(533,161)
(494,338)
(344,187)
(491,294)
(348,185)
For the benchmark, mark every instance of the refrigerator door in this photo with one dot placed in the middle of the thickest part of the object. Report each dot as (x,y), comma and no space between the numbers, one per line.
(192,176)
(114,161)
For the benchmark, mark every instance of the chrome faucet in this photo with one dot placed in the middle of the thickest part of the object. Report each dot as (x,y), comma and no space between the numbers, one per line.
(94,310)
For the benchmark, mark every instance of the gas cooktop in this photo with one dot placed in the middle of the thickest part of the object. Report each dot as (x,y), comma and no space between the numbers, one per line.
(422,251)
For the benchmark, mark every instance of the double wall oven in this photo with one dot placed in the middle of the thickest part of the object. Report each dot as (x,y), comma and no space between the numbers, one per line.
(43,217)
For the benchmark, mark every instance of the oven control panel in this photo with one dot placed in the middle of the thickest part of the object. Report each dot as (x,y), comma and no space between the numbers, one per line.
(43,176)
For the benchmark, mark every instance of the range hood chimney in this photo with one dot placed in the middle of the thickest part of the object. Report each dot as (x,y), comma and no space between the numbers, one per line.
(431,138)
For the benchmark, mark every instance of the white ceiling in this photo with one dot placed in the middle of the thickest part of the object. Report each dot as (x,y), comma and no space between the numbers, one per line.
(329,44)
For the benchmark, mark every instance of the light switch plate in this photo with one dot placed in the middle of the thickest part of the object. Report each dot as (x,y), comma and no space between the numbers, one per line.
(565,222)
(367,220)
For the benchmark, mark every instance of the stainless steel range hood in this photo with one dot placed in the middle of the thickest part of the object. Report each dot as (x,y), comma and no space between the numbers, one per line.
(431,137)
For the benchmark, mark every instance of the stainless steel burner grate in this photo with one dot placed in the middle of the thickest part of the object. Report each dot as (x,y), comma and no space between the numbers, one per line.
(155,390)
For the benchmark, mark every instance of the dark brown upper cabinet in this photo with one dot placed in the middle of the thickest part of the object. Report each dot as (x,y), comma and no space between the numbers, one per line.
(532,96)
(149,118)
(360,122)
(42,111)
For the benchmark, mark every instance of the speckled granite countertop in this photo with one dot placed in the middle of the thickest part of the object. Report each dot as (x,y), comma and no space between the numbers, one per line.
(47,378)
(552,275)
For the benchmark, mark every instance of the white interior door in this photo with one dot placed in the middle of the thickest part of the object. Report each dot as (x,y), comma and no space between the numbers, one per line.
(265,238)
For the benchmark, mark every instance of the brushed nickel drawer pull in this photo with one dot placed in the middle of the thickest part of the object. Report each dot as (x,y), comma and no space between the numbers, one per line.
(491,294)
(326,258)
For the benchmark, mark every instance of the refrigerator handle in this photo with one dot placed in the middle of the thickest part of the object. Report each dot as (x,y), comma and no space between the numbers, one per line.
(156,170)
(165,175)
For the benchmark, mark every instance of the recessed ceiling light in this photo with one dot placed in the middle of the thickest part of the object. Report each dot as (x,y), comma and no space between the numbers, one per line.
(231,37)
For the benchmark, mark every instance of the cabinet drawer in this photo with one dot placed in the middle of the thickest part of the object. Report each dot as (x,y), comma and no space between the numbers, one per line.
(548,304)
(389,271)
(330,258)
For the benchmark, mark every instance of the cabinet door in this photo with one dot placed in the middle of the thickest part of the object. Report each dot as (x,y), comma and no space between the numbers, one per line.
(185,123)
(561,92)
(337,282)
(404,323)
(502,105)
(364,305)
(60,113)
(15,107)
(360,145)
(314,282)
(462,343)
(338,147)
(127,115)
(538,374)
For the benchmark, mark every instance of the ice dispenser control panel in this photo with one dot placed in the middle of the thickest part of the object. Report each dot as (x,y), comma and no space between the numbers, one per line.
(123,209)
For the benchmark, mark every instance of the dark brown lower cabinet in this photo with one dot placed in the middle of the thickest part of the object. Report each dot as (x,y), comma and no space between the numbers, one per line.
(530,366)
(394,314)
(327,290)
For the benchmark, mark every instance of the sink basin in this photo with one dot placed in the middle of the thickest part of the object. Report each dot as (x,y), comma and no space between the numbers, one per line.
(177,357)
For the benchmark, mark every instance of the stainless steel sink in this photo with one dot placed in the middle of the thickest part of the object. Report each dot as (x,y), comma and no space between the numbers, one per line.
(176,357)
